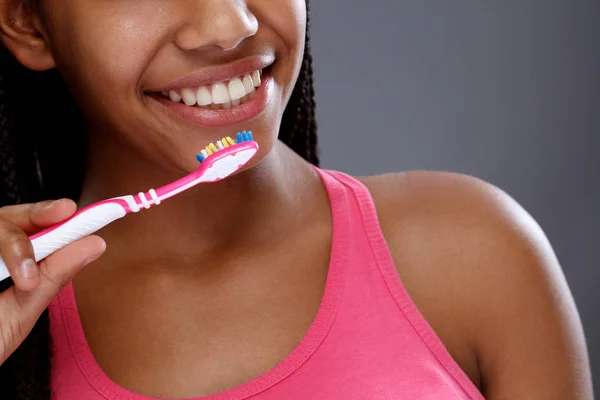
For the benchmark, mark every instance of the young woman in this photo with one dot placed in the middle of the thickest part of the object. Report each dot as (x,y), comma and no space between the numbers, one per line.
(284,281)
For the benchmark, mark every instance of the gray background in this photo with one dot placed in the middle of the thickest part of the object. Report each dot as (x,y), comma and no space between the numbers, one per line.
(506,91)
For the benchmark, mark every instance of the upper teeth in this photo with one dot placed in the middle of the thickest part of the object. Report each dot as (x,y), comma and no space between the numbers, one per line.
(227,94)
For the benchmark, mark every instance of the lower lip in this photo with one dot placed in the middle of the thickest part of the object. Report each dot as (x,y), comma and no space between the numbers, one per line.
(231,116)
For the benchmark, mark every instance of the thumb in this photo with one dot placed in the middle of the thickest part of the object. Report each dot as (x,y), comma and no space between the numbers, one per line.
(57,270)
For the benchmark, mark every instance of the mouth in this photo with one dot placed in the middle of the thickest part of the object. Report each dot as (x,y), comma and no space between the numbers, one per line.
(222,102)
(232,95)
(219,95)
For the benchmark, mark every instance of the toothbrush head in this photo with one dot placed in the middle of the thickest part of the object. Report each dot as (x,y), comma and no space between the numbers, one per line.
(226,156)
(241,137)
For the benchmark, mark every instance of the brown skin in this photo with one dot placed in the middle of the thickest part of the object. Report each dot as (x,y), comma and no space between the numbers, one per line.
(230,276)
(483,274)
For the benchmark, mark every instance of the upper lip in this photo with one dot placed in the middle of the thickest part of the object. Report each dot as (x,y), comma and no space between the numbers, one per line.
(218,73)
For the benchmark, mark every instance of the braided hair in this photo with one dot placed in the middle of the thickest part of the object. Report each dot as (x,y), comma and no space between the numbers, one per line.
(35,165)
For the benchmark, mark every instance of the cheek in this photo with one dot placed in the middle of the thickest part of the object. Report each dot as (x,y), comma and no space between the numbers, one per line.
(286,18)
(106,44)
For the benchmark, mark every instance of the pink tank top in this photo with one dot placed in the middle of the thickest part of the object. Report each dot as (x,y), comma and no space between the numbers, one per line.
(367,341)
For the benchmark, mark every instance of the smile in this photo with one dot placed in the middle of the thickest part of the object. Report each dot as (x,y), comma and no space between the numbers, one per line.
(218,95)
(223,102)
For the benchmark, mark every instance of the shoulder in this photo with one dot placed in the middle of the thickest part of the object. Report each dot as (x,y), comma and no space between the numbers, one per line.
(451,194)
(460,217)
(485,276)
(459,225)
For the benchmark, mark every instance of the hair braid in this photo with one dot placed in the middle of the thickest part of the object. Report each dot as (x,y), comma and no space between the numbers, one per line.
(299,126)
(25,374)
(15,188)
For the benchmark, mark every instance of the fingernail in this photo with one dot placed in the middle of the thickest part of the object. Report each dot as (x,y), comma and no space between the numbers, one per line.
(28,269)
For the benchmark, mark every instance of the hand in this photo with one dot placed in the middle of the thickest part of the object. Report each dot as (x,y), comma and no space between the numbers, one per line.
(36,284)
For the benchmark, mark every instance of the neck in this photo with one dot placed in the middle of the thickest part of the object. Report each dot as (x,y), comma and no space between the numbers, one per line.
(250,207)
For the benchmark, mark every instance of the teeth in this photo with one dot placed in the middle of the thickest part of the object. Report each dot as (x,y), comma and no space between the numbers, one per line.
(203,97)
(248,84)
(256,78)
(174,96)
(189,98)
(219,95)
(236,89)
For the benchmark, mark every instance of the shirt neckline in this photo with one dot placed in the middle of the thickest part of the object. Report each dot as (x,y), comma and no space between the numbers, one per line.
(315,335)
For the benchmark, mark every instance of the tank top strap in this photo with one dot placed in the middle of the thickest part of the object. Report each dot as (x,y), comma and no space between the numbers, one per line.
(368,238)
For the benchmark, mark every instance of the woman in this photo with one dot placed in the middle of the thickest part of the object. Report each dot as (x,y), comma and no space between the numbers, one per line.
(282,282)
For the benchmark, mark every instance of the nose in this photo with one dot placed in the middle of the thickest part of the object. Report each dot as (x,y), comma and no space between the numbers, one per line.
(215,23)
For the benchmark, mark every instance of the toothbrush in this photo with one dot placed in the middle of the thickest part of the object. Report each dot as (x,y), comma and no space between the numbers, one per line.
(217,161)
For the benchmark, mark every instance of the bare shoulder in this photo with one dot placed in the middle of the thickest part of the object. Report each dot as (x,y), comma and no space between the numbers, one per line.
(484,275)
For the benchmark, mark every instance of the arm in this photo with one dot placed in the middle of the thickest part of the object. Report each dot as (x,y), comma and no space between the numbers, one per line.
(531,342)
(483,274)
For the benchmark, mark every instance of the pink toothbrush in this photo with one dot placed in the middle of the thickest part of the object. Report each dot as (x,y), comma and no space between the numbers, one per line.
(216,163)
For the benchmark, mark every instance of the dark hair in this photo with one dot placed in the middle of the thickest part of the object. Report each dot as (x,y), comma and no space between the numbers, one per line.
(37,166)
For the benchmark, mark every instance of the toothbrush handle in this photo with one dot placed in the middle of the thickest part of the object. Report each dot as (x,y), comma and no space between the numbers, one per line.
(83,223)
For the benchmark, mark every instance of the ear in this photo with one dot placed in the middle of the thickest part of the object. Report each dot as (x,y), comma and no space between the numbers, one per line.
(22,34)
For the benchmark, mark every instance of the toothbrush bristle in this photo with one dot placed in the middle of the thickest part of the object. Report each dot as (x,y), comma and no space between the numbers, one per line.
(241,137)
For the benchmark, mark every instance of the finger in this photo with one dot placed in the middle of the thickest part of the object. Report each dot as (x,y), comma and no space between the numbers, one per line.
(34,216)
(18,256)
(57,270)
